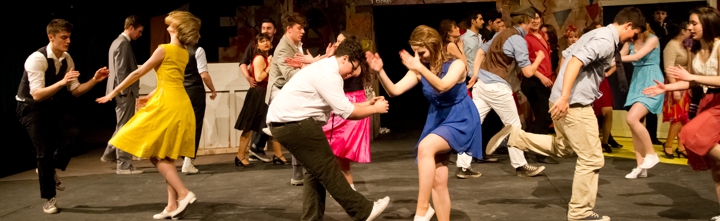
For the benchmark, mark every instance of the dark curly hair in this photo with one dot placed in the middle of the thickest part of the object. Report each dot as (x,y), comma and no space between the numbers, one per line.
(352,48)
(259,37)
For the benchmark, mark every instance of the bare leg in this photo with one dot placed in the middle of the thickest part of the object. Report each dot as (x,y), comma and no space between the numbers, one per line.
(430,146)
(641,137)
(681,146)
(345,169)
(672,133)
(167,168)
(440,192)
(172,194)
(243,146)
(715,169)
(277,148)
(607,113)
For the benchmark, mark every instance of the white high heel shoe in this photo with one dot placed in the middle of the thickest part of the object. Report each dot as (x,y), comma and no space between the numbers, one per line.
(182,204)
(428,215)
(163,215)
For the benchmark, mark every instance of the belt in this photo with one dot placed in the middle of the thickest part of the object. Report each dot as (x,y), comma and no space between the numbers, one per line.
(713,91)
(278,124)
(577,105)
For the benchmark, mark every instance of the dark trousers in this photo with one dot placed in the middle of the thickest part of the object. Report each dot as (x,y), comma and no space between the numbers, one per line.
(651,125)
(259,139)
(197,99)
(307,143)
(538,96)
(52,133)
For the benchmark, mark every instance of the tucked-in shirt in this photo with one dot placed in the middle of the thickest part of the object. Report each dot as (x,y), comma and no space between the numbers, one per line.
(471,43)
(515,47)
(540,44)
(596,51)
(313,92)
(36,65)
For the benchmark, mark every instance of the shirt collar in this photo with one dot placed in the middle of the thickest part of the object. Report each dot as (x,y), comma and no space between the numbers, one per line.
(521,31)
(50,53)
(472,33)
(616,36)
(126,36)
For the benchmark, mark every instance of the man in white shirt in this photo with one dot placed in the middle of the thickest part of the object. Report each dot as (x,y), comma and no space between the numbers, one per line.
(121,60)
(296,117)
(47,84)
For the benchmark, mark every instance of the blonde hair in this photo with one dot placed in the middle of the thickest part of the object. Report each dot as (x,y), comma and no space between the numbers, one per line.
(424,36)
(646,34)
(186,25)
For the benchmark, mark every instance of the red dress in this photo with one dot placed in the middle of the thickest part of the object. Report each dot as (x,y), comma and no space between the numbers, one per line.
(606,100)
(676,111)
(702,133)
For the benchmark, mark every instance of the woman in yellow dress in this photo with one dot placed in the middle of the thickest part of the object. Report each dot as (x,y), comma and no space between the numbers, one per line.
(164,129)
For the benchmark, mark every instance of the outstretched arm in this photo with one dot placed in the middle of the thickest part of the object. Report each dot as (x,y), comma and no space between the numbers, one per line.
(100,75)
(151,63)
(649,45)
(393,89)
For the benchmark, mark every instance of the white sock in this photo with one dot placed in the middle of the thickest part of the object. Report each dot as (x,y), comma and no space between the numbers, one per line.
(353,186)
(187,162)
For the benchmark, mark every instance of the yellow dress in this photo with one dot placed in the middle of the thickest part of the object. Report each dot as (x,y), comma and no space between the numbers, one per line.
(165,127)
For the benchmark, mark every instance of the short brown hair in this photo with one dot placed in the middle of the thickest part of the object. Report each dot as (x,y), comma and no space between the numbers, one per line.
(58,25)
(290,19)
(133,21)
(520,19)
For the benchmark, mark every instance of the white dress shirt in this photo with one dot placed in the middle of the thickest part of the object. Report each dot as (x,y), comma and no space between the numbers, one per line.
(314,91)
(201,60)
(36,65)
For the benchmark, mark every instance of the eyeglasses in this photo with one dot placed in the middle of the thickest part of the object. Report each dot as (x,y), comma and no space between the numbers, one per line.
(353,66)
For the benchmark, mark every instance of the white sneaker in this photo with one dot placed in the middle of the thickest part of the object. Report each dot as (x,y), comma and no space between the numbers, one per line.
(428,215)
(716,218)
(378,208)
(188,167)
(650,161)
(636,172)
(163,215)
(267,131)
(50,206)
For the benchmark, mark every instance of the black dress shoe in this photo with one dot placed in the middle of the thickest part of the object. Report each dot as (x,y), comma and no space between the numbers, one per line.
(655,141)
(613,143)
(606,148)
(545,159)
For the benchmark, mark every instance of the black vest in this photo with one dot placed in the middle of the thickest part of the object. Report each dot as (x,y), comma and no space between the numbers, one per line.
(192,75)
(50,79)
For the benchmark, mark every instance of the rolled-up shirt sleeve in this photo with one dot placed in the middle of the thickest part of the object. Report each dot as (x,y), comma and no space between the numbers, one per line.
(36,65)
(517,47)
(331,90)
(201,60)
(592,50)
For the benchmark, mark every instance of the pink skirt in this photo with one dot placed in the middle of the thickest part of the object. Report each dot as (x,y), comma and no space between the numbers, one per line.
(350,139)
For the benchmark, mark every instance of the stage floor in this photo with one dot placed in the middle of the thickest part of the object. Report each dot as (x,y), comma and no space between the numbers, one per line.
(628,152)
(263,192)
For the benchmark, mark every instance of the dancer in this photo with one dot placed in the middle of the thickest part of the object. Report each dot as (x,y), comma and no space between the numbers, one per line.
(576,88)
(677,103)
(537,87)
(350,139)
(506,51)
(453,45)
(451,125)
(121,60)
(644,52)
(48,83)
(701,135)
(258,141)
(252,116)
(164,129)
(196,73)
(603,106)
(296,116)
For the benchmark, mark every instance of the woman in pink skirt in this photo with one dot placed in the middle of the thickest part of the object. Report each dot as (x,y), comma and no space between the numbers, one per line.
(350,139)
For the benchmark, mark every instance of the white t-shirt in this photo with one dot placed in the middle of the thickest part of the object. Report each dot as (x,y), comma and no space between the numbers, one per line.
(314,91)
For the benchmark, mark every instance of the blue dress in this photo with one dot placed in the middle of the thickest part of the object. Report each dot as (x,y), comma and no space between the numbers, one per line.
(646,70)
(453,116)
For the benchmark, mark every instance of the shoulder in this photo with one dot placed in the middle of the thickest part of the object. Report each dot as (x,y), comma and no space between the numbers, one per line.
(36,58)
(200,50)
(457,63)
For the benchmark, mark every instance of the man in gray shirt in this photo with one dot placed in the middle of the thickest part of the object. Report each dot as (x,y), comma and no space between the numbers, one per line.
(576,88)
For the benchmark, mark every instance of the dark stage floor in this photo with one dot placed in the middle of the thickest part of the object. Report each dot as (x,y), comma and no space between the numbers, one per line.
(263,192)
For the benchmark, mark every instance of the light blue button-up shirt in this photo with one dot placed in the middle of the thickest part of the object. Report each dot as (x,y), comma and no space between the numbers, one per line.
(515,47)
(471,43)
(596,50)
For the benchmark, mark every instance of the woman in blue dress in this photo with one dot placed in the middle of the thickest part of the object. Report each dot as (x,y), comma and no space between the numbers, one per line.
(644,53)
(452,123)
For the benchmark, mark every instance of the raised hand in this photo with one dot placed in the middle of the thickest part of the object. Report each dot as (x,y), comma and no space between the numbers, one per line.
(655,90)
(330,50)
(411,62)
(71,76)
(101,74)
(680,73)
(374,61)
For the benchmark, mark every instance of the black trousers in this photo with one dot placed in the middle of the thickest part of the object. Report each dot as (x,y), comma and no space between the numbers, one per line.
(651,122)
(259,139)
(538,96)
(197,99)
(307,142)
(53,133)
